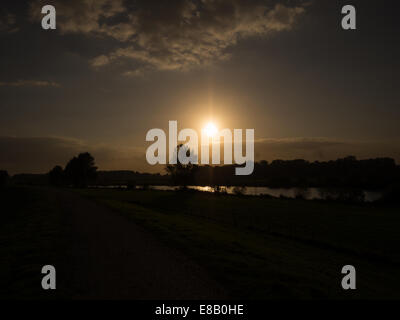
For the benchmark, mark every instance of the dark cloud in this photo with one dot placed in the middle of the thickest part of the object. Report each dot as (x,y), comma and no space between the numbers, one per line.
(35,154)
(29,83)
(323,149)
(292,148)
(81,16)
(8,22)
(40,154)
(171,35)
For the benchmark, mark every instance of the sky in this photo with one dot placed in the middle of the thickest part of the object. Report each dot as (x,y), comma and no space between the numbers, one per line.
(114,69)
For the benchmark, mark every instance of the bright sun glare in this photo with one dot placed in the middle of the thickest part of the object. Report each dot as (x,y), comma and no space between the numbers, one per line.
(210,129)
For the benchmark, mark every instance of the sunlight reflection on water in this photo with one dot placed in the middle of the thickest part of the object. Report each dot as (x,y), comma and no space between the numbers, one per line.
(305,193)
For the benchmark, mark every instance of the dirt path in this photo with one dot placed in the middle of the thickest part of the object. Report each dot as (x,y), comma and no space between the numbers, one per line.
(109,257)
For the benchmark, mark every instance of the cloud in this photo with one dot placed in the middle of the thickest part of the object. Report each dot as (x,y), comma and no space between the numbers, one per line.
(29,83)
(81,16)
(172,35)
(35,154)
(40,154)
(322,149)
(100,61)
(8,23)
(301,143)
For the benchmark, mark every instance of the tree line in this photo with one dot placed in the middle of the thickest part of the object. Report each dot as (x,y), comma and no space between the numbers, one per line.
(347,172)
(78,172)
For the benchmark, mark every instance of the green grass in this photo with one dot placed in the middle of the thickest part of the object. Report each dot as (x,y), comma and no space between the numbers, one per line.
(30,237)
(272,248)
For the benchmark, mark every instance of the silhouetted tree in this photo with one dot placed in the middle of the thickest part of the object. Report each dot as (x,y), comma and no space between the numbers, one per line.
(4,178)
(181,174)
(56,176)
(81,170)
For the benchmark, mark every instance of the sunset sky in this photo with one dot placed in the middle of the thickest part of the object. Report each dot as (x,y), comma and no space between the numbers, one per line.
(115,69)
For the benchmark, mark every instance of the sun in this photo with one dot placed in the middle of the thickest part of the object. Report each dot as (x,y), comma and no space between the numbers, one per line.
(210,129)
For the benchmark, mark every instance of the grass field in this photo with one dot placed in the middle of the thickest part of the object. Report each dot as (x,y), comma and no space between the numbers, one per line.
(31,235)
(273,248)
(255,247)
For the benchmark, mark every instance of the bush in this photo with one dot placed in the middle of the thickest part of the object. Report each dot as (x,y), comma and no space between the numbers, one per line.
(56,176)
(391,194)
(239,190)
(4,178)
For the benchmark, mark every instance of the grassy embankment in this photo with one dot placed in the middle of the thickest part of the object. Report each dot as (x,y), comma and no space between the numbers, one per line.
(31,236)
(255,247)
(270,248)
